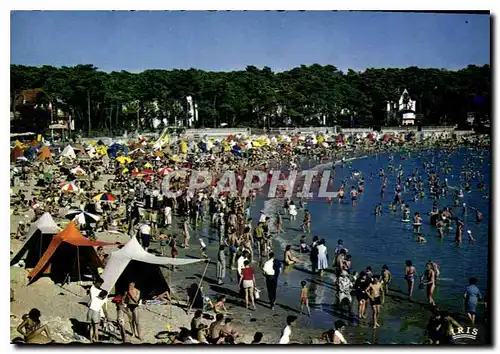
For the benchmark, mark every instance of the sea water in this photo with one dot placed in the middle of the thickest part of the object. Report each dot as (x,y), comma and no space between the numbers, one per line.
(377,240)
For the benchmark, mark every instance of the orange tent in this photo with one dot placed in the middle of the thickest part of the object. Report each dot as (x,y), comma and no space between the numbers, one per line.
(16,152)
(70,255)
(45,154)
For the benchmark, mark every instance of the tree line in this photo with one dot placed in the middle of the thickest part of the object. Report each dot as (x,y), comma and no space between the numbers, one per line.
(303,96)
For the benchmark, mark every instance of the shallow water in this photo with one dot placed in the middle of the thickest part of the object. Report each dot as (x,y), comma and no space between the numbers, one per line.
(387,240)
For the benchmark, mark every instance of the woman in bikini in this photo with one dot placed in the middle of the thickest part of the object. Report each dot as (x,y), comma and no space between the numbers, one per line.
(410,274)
(430,281)
(34,332)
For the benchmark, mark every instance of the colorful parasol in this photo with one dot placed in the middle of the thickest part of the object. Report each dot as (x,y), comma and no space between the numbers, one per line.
(108,197)
(69,187)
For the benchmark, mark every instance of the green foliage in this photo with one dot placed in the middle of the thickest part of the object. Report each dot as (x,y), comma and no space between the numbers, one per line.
(254,97)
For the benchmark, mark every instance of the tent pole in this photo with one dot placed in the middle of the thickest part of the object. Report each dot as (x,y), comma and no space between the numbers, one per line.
(78,263)
(41,241)
(198,290)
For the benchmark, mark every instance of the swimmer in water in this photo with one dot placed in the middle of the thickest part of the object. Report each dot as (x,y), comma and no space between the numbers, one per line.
(421,239)
(471,239)
(458,234)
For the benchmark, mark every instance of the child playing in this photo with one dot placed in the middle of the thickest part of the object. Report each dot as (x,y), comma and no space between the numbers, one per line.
(163,244)
(304,297)
(304,247)
(421,239)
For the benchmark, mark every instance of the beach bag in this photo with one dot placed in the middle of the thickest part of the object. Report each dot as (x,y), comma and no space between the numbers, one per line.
(256,293)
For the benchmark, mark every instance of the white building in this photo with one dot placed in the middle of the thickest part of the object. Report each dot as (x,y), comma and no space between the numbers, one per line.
(407,109)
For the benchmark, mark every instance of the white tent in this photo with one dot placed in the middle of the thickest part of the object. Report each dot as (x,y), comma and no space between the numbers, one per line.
(68,152)
(35,246)
(45,224)
(133,251)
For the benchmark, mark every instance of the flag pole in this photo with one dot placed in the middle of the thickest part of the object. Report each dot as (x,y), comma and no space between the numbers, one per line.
(51,122)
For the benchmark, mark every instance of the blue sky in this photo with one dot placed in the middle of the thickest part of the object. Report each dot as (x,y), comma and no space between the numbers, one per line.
(221,41)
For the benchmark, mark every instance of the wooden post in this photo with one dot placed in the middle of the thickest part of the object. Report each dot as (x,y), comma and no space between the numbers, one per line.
(170,287)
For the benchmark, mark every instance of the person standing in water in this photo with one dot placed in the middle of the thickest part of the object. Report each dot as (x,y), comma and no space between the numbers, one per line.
(313,255)
(386,278)
(304,297)
(322,257)
(417,222)
(360,287)
(306,224)
(429,279)
(458,234)
(472,296)
(354,195)
(289,260)
(340,195)
(410,274)
(376,292)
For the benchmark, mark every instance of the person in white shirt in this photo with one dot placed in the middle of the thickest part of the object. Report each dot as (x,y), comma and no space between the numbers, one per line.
(287,332)
(240,264)
(145,235)
(97,299)
(168,216)
(271,279)
(262,217)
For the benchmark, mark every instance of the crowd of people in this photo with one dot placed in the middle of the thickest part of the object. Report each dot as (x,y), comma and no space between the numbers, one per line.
(141,208)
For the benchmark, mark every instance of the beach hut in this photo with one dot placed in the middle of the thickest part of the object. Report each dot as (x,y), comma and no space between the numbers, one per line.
(133,263)
(39,236)
(69,256)
(44,154)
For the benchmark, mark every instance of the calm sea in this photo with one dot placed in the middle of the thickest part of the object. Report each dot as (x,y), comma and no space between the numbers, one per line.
(385,239)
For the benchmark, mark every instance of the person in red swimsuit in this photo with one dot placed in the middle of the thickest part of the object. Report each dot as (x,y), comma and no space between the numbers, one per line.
(248,281)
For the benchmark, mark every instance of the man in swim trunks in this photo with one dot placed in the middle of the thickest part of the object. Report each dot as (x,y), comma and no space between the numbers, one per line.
(376,292)
(417,223)
(354,195)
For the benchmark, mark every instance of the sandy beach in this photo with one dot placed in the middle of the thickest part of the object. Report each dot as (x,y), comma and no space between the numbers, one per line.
(64,308)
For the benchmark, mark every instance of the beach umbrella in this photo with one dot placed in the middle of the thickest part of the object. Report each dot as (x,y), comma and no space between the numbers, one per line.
(108,197)
(82,217)
(78,171)
(175,158)
(137,174)
(148,172)
(69,187)
(137,151)
(148,166)
(165,171)
(124,160)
